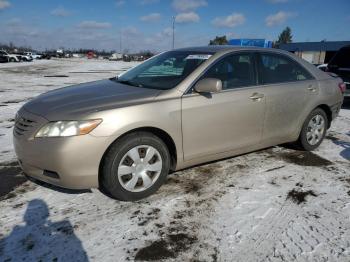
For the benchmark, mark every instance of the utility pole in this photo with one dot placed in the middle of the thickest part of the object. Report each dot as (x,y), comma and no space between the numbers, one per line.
(120,42)
(173,32)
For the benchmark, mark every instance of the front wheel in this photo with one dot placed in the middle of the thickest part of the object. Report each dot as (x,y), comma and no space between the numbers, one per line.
(314,130)
(135,166)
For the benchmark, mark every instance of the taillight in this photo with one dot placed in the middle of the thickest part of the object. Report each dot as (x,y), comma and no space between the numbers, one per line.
(342,87)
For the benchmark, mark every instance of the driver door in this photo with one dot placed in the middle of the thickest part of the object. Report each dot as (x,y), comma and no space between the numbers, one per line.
(228,120)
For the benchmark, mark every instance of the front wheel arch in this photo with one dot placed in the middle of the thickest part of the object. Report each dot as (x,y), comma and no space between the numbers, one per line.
(111,185)
(163,135)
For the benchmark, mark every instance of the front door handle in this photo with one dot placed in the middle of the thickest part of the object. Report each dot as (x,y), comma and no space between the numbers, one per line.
(256,96)
(311,88)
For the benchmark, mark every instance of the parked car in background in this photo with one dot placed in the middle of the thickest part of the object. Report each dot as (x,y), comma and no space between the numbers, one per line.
(126,58)
(46,55)
(26,57)
(33,55)
(322,67)
(3,58)
(91,55)
(178,109)
(116,57)
(11,57)
(340,65)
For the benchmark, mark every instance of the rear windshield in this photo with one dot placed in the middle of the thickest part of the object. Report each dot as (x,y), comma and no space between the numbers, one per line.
(164,71)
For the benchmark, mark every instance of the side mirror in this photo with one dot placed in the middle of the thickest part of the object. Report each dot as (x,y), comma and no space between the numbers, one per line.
(208,85)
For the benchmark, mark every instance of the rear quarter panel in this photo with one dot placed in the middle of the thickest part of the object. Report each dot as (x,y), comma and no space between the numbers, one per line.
(330,94)
(287,106)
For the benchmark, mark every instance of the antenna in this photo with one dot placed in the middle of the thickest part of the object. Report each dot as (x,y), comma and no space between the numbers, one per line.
(173,32)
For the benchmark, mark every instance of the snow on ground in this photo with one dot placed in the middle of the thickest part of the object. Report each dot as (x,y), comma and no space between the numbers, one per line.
(276,204)
(20,82)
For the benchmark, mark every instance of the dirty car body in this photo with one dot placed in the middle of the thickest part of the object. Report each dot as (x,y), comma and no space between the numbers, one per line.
(182,107)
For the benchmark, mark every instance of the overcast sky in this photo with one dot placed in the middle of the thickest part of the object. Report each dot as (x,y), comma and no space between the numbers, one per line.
(146,24)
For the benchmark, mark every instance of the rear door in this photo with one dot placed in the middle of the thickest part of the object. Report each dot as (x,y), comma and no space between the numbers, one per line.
(290,91)
(228,120)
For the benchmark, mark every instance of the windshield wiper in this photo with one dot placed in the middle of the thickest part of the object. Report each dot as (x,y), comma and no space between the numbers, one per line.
(128,82)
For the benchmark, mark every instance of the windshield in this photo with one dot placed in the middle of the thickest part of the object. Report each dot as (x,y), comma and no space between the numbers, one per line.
(164,71)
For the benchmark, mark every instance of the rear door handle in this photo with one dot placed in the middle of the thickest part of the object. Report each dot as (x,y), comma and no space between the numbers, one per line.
(256,96)
(311,88)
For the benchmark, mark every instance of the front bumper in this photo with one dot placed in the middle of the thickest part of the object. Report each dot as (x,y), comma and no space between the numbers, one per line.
(74,161)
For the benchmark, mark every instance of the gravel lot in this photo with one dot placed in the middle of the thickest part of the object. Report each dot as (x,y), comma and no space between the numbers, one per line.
(276,204)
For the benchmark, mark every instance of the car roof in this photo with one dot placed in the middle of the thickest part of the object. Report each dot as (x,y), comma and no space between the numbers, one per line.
(220,48)
(224,49)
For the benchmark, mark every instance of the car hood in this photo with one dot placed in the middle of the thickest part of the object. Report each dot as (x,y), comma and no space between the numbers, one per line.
(76,101)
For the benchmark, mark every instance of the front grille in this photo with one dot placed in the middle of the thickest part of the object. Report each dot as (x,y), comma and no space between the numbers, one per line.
(23,125)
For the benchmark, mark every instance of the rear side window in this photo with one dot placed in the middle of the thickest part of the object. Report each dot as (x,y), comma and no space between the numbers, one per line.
(274,68)
(234,71)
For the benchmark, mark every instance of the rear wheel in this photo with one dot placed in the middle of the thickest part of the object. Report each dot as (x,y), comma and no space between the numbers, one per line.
(135,166)
(314,130)
(12,59)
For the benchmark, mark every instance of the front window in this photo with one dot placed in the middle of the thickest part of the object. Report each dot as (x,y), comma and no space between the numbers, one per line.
(164,71)
(234,71)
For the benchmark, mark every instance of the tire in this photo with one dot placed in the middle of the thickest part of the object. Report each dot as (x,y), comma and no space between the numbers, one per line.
(116,178)
(315,118)
(12,59)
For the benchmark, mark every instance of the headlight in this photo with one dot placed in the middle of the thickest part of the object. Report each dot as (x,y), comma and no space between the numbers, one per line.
(68,128)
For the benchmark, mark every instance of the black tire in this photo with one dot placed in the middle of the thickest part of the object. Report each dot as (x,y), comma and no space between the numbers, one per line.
(109,181)
(12,59)
(303,141)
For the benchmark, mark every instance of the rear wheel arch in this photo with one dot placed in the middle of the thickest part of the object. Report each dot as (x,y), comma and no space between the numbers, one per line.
(303,141)
(328,112)
(163,135)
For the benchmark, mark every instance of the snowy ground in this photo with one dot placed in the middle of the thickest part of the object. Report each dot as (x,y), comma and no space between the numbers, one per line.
(277,204)
(19,82)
